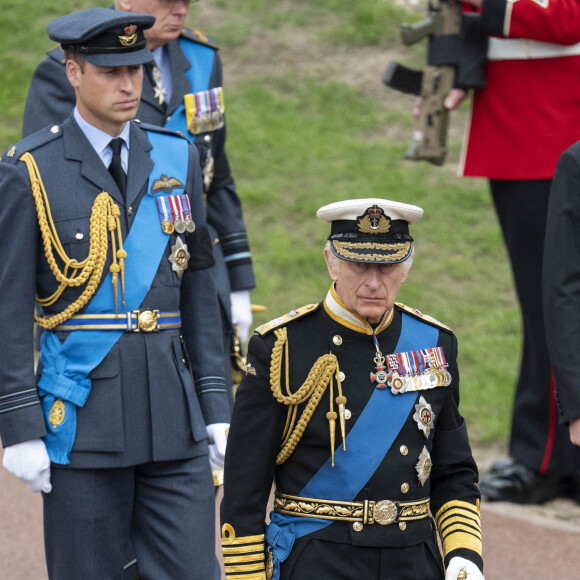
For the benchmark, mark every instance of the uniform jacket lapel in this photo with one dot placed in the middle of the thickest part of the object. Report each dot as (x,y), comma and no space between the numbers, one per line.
(140,164)
(180,85)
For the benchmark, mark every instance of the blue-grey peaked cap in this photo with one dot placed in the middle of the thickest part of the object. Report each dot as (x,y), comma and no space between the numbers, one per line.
(104,37)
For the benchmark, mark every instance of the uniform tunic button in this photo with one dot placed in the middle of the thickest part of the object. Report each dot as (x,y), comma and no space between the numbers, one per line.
(402,526)
(357,527)
(405,488)
(341,376)
(337,339)
(55,129)
(404,450)
(347,414)
(207,138)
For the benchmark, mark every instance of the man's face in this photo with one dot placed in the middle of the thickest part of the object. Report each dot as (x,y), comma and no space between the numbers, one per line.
(368,290)
(169,15)
(107,97)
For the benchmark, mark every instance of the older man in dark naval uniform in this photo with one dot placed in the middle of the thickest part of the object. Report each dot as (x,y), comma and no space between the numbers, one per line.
(182,90)
(351,407)
(103,222)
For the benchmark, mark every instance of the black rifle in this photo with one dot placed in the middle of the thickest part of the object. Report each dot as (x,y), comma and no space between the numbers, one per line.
(456,58)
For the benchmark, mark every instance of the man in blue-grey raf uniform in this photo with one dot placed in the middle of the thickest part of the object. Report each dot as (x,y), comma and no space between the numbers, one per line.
(103,223)
(182,90)
(351,407)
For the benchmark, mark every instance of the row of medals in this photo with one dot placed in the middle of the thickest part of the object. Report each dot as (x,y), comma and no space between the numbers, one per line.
(438,377)
(179,226)
(401,383)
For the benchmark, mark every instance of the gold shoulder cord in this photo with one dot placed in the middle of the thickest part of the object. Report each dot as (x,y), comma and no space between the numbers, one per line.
(104,218)
(320,376)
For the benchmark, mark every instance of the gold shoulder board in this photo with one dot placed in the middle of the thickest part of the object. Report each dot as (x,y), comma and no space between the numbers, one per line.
(282,320)
(425,317)
(197,36)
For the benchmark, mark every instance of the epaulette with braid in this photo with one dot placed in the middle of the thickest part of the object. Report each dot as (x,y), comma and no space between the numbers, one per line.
(283,320)
(30,143)
(424,317)
(57,53)
(197,36)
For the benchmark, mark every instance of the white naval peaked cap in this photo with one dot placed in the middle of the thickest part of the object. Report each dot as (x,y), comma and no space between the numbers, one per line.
(371,230)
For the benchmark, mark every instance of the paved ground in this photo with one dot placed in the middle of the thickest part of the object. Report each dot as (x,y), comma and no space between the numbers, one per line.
(520,542)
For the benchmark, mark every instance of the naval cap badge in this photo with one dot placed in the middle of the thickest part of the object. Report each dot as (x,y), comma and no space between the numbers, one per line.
(373,221)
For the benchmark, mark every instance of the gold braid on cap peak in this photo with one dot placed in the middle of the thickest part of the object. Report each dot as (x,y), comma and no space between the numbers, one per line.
(104,218)
(319,378)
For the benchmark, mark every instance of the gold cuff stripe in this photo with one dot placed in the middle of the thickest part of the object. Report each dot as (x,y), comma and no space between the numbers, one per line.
(459,528)
(242,549)
(460,540)
(442,526)
(246,567)
(243,539)
(258,576)
(456,506)
(243,558)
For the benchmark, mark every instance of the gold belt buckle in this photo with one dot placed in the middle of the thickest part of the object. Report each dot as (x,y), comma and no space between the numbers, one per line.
(146,320)
(385,512)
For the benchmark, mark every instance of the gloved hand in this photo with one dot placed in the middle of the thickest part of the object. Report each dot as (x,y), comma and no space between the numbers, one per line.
(217,435)
(29,462)
(242,312)
(457,565)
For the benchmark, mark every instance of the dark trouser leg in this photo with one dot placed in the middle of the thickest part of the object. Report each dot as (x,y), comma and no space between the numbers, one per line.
(537,440)
(87,522)
(174,520)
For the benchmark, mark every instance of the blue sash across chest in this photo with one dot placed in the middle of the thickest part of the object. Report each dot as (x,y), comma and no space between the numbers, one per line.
(367,443)
(201,58)
(67,365)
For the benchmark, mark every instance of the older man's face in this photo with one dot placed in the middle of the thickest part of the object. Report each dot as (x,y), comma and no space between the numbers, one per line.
(368,290)
(169,15)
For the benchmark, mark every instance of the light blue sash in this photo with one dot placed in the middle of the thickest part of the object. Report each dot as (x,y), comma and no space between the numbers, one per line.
(201,58)
(367,443)
(66,366)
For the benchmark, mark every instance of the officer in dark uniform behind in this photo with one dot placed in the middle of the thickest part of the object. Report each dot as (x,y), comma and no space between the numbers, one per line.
(561,291)
(182,91)
(103,222)
(351,406)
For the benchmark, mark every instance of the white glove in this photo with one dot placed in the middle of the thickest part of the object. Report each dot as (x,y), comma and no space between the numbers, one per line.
(242,312)
(457,564)
(29,462)
(217,435)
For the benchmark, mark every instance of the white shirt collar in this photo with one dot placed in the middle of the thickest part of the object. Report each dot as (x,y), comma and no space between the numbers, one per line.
(100,140)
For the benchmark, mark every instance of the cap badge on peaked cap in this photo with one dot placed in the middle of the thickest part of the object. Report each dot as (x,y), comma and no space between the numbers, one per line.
(130,37)
(373,221)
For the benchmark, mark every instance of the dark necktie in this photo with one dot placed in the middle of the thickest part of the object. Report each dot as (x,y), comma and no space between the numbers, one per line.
(116,168)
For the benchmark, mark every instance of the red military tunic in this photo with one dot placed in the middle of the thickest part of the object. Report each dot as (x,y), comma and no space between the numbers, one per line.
(529,112)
